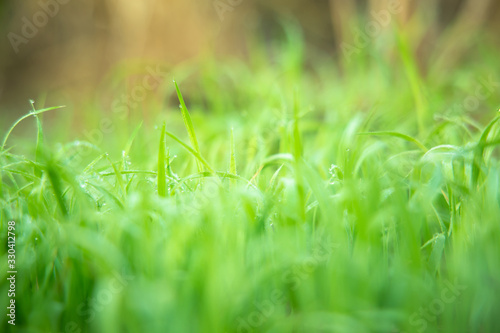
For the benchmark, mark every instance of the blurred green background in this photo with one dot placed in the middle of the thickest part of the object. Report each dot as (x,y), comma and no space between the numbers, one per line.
(68,52)
(355,170)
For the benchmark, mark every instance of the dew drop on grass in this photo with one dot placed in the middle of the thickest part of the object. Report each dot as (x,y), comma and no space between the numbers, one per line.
(32,102)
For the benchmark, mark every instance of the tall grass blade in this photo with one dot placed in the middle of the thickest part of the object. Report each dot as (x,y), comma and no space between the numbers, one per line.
(232,163)
(186,117)
(479,152)
(39,141)
(118,175)
(162,175)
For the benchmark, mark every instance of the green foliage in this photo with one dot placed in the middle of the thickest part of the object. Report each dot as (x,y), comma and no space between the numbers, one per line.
(316,214)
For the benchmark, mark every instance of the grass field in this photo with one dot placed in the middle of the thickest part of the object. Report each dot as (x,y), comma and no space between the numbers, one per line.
(292,197)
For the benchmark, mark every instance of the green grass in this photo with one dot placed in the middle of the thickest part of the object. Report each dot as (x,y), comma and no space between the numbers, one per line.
(308,201)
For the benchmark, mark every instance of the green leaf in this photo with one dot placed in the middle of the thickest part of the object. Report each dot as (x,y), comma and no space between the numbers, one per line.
(398,135)
(479,151)
(24,117)
(192,151)
(39,142)
(186,117)
(162,175)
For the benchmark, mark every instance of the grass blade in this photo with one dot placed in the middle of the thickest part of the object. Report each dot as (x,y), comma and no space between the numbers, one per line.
(55,179)
(232,163)
(132,138)
(39,141)
(297,140)
(119,179)
(398,135)
(162,176)
(24,117)
(479,152)
(192,151)
(186,117)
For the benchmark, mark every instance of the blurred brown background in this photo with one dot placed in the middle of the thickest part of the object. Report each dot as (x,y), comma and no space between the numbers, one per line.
(65,47)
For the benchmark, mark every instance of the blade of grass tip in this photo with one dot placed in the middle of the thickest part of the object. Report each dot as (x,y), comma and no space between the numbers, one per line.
(162,177)
(186,117)
(39,140)
(24,117)
(272,182)
(108,195)
(132,138)
(93,163)
(119,179)
(169,171)
(479,151)
(127,187)
(398,135)
(192,151)
(232,162)
(297,141)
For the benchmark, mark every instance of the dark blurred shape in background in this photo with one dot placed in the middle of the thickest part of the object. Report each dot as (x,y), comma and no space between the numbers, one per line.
(64,48)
